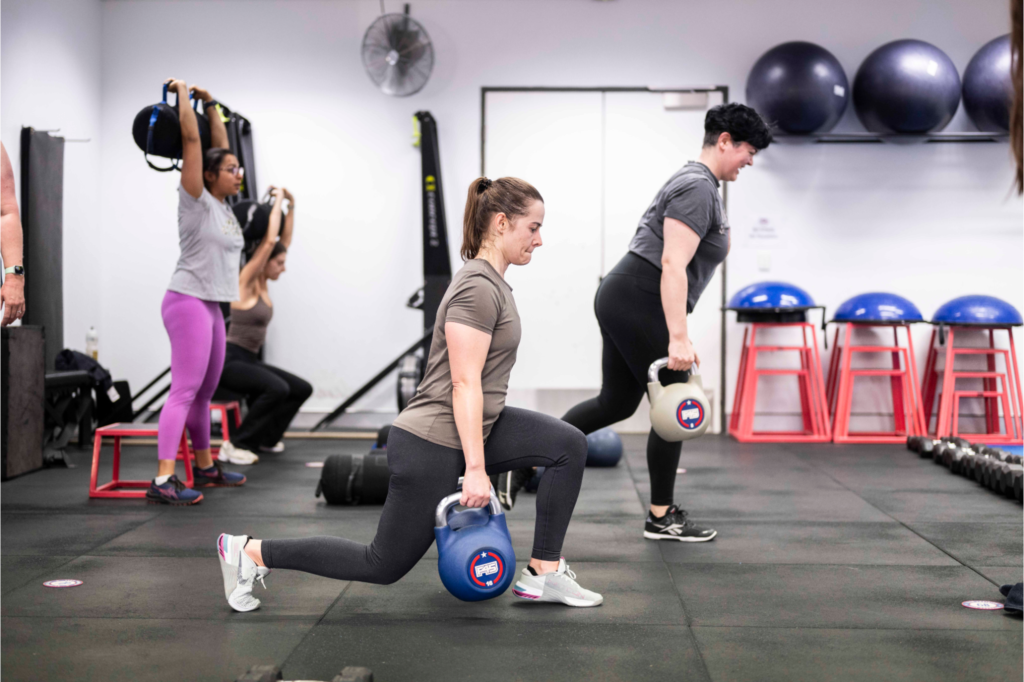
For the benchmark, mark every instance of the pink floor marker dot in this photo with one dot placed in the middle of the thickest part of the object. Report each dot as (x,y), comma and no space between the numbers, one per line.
(315,465)
(982,605)
(68,582)
(680,471)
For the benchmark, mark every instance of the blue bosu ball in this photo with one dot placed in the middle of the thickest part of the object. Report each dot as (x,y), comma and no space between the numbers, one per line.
(771,296)
(984,311)
(877,307)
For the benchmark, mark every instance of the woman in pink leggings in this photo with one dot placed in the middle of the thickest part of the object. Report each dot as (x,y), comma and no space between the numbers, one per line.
(206,274)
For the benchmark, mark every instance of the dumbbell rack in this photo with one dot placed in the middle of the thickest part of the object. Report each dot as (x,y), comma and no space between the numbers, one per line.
(995,469)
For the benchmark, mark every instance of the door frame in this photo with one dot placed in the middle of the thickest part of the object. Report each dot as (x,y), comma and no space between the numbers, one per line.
(724,90)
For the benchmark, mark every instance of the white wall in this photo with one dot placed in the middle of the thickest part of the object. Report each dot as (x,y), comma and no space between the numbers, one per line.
(50,79)
(322,129)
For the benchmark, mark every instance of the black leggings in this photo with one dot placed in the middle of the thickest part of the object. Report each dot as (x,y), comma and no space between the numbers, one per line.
(634,335)
(274,397)
(422,473)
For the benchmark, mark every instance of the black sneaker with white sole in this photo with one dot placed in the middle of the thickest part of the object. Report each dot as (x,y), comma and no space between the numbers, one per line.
(508,485)
(675,526)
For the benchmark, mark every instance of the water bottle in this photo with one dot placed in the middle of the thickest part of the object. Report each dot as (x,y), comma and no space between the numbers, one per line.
(92,343)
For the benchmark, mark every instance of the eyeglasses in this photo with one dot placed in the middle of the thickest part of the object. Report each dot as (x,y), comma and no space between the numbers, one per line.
(237,171)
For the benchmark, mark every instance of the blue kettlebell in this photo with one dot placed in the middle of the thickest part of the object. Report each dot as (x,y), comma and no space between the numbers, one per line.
(475,557)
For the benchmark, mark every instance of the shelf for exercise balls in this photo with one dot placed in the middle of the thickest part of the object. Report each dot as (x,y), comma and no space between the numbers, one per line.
(876,138)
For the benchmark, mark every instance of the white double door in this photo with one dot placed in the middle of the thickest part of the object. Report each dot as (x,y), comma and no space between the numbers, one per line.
(598,158)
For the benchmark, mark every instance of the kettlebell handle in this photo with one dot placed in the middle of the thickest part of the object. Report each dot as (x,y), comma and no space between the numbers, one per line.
(445,505)
(658,365)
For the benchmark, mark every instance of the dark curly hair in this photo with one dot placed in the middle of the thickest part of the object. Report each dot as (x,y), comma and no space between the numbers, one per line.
(212,160)
(741,122)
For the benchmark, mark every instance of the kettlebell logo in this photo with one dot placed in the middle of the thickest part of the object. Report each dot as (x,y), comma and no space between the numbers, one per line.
(486,569)
(690,414)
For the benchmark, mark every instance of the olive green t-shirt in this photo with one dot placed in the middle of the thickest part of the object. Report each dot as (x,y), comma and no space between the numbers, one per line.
(478,297)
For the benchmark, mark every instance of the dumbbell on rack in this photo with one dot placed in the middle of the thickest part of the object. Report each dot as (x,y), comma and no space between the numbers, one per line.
(995,469)
(271,673)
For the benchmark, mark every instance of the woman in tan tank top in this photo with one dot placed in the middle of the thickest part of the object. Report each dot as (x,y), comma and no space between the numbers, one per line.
(273,395)
(457,425)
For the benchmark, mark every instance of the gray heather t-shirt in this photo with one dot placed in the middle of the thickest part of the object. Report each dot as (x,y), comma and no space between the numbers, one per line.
(478,297)
(690,196)
(211,247)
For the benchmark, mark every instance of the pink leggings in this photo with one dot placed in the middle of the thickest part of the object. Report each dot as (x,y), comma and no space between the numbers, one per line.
(196,328)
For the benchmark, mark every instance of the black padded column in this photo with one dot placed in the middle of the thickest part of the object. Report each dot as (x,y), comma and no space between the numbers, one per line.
(42,215)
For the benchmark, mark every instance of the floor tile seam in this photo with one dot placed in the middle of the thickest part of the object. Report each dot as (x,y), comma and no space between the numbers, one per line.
(629,561)
(687,619)
(524,558)
(29,581)
(817,565)
(845,628)
(71,511)
(395,620)
(315,625)
(132,529)
(812,463)
(229,619)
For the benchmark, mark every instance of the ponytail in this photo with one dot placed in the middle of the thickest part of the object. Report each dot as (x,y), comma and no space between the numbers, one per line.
(510,196)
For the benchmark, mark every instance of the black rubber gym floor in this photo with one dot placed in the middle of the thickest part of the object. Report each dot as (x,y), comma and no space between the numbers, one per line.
(832,563)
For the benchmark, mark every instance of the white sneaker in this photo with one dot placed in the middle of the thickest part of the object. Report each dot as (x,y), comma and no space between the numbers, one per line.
(241,598)
(560,586)
(229,453)
(229,548)
(276,448)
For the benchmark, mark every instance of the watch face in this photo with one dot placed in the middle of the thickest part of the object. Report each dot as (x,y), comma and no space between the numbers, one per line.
(18,270)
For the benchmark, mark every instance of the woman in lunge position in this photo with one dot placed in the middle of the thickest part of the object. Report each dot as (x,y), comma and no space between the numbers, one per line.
(456,425)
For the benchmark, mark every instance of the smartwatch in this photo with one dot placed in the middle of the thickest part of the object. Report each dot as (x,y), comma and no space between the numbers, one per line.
(15,270)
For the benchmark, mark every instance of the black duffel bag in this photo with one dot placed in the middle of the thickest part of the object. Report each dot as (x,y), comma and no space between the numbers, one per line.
(157,132)
(355,479)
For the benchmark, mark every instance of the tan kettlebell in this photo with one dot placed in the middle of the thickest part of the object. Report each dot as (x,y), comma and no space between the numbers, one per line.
(678,411)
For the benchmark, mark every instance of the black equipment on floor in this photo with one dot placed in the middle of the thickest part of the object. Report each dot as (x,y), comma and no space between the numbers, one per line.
(68,405)
(42,216)
(355,479)
(437,275)
(110,411)
(382,436)
(157,131)
(21,400)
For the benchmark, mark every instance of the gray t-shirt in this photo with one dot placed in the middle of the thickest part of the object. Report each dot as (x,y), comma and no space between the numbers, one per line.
(211,243)
(480,298)
(690,196)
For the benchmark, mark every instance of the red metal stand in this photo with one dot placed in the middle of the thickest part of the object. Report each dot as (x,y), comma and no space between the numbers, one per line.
(224,408)
(812,389)
(114,487)
(907,415)
(999,389)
